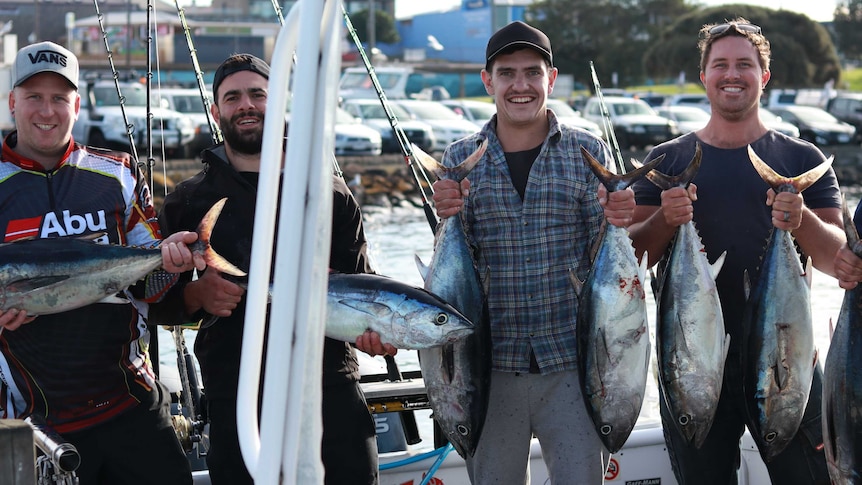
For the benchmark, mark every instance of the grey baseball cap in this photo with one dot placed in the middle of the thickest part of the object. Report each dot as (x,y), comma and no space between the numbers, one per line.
(45,57)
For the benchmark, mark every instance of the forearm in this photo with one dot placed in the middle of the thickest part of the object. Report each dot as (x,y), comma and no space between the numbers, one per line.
(650,233)
(820,236)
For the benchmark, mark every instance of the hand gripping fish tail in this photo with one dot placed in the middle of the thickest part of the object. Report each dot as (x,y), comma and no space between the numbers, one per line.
(202,245)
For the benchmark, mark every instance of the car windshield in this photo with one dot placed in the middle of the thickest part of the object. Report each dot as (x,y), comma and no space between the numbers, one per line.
(432,111)
(189,104)
(374,111)
(691,115)
(815,115)
(107,95)
(631,109)
(481,112)
(561,109)
(343,117)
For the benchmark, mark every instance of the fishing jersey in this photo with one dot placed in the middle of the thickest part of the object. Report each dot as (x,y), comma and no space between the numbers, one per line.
(85,366)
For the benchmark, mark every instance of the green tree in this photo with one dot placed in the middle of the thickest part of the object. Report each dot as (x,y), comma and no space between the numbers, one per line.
(803,54)
(613,34)
(848,28)
(384,27)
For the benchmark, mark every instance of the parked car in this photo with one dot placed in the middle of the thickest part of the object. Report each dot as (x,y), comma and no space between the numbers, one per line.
(698,100)
(354,138)
(687,118)
(772,121)
(100,120)
(188,102)
(568,116)
(372,114)
(635,123)
(847,107)
(479,112)
(447,125)
(816,125)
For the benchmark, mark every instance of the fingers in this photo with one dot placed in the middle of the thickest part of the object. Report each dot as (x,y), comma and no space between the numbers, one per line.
(176,255)
(369,342)
(13,318)
(619,206)
(786,210)
(449,196)
(676,205)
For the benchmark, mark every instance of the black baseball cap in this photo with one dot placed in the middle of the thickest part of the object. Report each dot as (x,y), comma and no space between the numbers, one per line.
(518,34)
(237,63)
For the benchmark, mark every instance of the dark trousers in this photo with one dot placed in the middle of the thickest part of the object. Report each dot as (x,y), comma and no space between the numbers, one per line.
(349,441)
(803,462)
(138,447)
(349,449)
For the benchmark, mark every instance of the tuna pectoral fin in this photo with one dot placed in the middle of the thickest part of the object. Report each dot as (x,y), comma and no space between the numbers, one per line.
(423,270)
(376,310)
(30,284)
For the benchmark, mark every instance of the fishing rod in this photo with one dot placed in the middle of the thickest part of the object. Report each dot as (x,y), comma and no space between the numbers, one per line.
(116,76)
(403,142)
(215,131)
(606,122)
(336,169)
(151,162)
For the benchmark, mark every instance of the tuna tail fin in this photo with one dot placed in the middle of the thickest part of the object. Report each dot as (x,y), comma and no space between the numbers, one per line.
(665,182)
(455,173)
(781,183)
(204,230)
(612,181)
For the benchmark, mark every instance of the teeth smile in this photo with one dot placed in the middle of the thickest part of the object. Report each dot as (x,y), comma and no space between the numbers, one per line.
(733,90)
(44,127)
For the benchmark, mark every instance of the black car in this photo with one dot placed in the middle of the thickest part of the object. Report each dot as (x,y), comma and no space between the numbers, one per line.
(816,125)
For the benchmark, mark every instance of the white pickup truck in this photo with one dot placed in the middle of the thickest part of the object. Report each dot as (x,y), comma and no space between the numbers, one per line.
(100,121)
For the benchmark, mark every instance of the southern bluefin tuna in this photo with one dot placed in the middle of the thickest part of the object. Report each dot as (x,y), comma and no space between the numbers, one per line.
(842,382)
(404,316)
(53,275)
(779,354)
(612,331)
(691,344)
(457,376)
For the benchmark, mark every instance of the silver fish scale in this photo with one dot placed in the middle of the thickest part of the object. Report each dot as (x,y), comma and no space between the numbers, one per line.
(842,394)
(692,344)
(613,339)
(44,276)
(456,376)
(780,354)
(404,316)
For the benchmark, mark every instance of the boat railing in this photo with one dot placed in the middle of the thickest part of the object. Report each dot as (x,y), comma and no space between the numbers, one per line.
(58,460)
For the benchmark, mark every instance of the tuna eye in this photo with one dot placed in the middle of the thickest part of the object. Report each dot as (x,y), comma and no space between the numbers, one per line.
(441,319)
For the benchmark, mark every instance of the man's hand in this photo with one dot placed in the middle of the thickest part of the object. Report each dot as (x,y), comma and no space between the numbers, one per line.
(216,295)
(369,342)
(176,255)
(449,196)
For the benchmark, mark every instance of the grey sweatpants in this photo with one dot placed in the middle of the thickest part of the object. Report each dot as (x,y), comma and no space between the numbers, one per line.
(551,408)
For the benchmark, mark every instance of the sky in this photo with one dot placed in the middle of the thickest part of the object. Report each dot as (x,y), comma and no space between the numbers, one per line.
(817,10)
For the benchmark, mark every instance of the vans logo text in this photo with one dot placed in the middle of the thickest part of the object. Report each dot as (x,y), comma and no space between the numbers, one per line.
(48,56)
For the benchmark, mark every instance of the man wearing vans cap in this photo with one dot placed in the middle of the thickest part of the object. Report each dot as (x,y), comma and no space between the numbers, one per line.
(45,57)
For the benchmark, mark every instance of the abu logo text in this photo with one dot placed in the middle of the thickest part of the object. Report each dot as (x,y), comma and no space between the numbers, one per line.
(72,224)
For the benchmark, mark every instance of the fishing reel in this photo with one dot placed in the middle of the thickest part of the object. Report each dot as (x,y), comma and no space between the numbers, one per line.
(188,431)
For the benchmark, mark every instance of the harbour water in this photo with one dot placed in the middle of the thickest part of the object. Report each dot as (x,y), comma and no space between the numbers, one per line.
(399,234)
